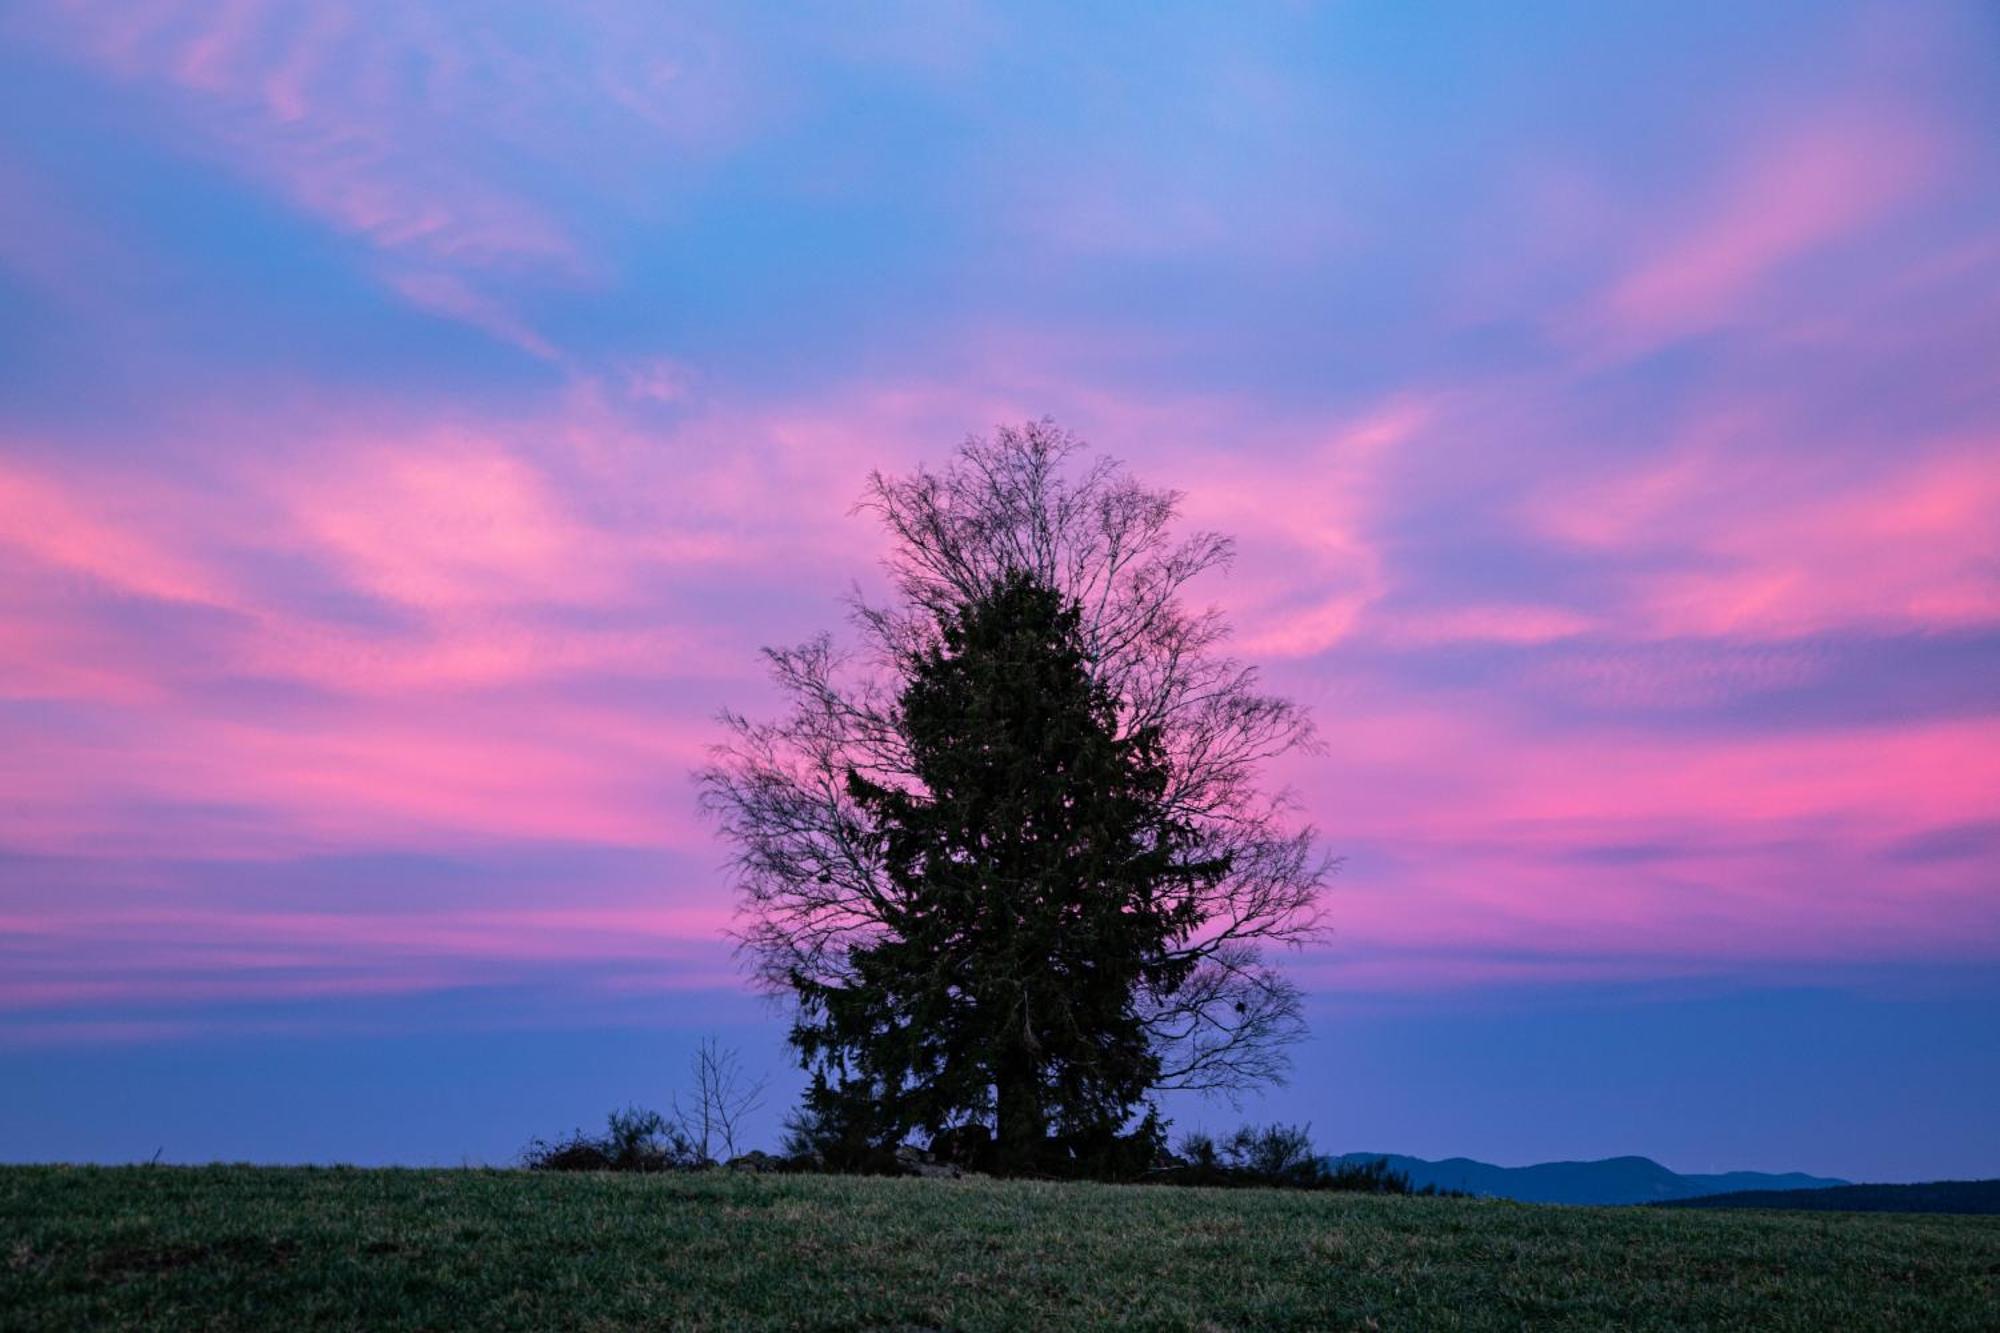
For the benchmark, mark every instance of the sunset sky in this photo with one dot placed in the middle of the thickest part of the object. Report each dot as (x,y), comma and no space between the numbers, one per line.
(414,417)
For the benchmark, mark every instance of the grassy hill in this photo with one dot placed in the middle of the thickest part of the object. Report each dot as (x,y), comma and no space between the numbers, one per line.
(241,1247)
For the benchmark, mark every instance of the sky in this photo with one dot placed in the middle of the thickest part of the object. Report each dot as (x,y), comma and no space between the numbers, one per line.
(415,416)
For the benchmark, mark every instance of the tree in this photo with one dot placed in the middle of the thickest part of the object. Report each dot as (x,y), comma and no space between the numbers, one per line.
(1036,887)
(721,1099)
(1037,664)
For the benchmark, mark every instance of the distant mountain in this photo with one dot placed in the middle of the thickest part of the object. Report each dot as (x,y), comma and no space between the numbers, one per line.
(1613,1180)
(1937,1196)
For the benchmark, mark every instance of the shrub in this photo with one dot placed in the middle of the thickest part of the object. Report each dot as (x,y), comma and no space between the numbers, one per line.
(635,1139)
(1197,1149)
(578,1152)
(1281,1156)
(1274,1155)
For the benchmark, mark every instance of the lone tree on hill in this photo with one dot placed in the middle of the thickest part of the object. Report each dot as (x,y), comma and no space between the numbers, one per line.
(1012,862)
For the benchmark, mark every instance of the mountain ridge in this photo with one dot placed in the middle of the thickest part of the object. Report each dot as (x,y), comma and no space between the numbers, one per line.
(1609,1180)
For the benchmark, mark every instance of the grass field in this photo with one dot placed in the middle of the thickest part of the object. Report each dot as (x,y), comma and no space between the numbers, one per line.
(241,1247)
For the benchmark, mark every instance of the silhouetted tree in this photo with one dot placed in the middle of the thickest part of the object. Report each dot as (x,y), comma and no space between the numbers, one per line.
(1013,862)
(1036,887)
(710,1114)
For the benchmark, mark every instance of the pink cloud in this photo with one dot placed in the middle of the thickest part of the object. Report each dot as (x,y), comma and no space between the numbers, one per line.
(518,565)
(206,60)
(1787,197)
(389,774)
(96,537)
(448,521)
(1309,519)
(1763,548)
(188,954)
(1514,624)
(1411,770)
(538,549)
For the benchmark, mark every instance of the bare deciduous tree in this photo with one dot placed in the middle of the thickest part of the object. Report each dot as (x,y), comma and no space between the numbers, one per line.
(809,867)
(713,1112)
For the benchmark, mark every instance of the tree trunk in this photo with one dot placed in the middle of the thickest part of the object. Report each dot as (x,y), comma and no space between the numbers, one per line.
(1022,1130)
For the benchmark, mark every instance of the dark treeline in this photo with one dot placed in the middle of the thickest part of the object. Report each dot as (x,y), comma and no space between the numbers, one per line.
(1981,1197)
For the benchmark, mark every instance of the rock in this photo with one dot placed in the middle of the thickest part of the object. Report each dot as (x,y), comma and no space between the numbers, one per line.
(916,1162)
(754,1160)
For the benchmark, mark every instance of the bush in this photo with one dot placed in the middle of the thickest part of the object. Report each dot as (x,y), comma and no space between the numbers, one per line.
(635,1139)
(1281,1156)
(1197,1149)
(1274,1155)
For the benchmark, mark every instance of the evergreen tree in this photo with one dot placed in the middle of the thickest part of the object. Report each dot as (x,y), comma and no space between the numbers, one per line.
(1037,889)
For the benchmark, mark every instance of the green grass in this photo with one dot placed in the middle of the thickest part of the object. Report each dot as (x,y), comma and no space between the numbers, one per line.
(241,1247)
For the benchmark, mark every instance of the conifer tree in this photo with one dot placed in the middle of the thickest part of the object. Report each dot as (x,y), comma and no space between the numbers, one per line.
(1038,886)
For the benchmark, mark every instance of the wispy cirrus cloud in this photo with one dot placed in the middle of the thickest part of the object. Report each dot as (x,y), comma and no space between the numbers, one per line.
(317,99)
(1730,538)
(401,127)
(1789,197)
